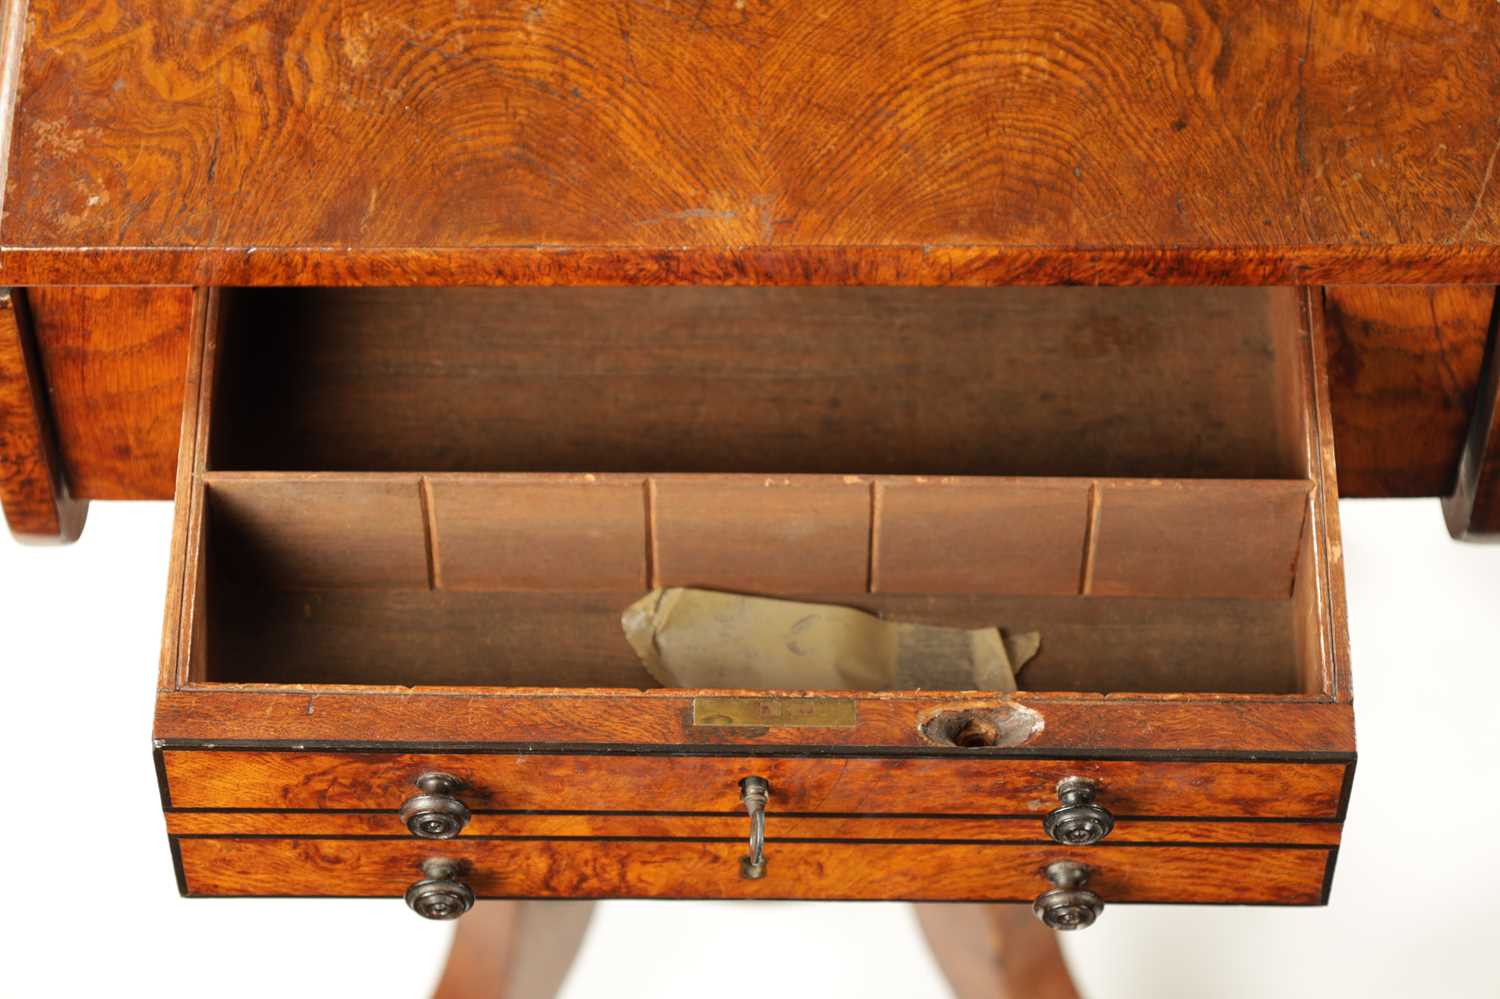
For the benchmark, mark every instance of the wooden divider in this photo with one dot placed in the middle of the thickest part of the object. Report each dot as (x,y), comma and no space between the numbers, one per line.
(1193,538)
(763,535)
(796,535)
(322,531)
(982,536)
(573,535)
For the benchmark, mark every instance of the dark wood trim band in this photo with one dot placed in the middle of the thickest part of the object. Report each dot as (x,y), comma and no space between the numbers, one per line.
(1333,858)
(770,838)
(949,817)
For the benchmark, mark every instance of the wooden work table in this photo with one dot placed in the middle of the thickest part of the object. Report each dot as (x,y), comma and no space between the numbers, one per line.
(330,275)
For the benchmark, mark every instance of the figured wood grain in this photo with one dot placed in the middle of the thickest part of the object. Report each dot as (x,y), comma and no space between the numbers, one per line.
(115,360)
(34,491)
(677,869)
(963,785)
(1472,509)
(951,267)
(1404,365)
(732,827)
(941,140)
(13,29)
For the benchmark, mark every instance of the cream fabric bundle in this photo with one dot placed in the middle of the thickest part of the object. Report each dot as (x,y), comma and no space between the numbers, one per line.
(705,638)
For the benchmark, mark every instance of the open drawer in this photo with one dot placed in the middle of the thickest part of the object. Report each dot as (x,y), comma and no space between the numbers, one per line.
(409,521)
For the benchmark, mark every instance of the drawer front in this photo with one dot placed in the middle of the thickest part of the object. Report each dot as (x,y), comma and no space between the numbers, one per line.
(679,869)
(216,779)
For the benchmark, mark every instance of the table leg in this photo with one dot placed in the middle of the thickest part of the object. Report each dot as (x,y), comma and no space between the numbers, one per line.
(995,952)
(514,950)
(1472,508)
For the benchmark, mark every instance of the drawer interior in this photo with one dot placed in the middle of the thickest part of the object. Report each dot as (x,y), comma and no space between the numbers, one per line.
(418,487)
(1143,382)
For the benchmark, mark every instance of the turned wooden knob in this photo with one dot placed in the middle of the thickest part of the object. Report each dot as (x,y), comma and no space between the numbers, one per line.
(1068,906)
(1079,822)
(440,894)
(435,813)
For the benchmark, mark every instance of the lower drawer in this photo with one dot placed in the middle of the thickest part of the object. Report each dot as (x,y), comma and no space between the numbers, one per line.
(698,869)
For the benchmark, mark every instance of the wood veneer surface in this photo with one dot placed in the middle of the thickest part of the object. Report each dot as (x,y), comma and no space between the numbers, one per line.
(937,828)
(115,360)
(678,869)
(1403,373)
(1074,722)
(936,141)
(38,506)
(954,785)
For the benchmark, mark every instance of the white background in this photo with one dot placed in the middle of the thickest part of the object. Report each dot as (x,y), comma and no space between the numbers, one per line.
(92,907)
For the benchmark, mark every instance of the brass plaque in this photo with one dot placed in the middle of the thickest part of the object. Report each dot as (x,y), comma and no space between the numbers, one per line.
(775,712)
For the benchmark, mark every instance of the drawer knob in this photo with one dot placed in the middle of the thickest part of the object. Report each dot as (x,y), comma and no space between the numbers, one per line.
(1078,822)
(1067,906)
(755,792)
(440,895)
(435,813)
